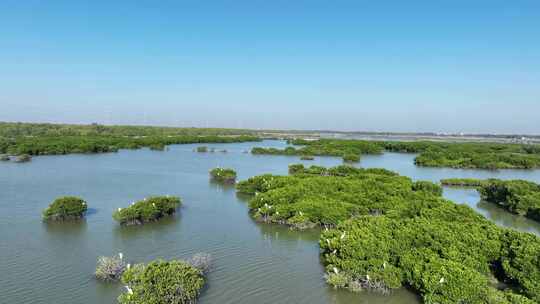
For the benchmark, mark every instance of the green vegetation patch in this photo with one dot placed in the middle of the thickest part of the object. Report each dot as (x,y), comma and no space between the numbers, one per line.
(320,196)
(325,147)
(388,232)
(203,149)
(462,182)
(431,153)
(307,157)
(162,281)
(65,208)
(351,158)
(517,196)
(223,175)
(148,210)
(54,139)
(448,254)
(428,187)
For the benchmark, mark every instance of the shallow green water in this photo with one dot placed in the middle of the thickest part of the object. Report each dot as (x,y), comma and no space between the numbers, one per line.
(253,263)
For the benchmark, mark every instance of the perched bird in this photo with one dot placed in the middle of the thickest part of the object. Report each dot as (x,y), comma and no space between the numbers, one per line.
(342,236)
(441,281)
(129,290)
(336,270)
(120,255)
(119,209)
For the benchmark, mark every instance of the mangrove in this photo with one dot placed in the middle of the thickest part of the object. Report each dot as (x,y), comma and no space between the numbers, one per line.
(223,175)
(65,208)
(147,210)
(516,196)
(162,281)
(383,231)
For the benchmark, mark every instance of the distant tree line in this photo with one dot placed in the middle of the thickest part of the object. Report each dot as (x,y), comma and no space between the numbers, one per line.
(431,154)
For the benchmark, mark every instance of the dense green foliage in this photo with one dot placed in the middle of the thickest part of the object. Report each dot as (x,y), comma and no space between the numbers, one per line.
(351,158)
(171,282)
(431,153)
(65,208)
(517,196)
(321,196)
(223,175)
(148,210)
(14,130)
(462,182)
(44,139)
(101,144)
(428,187)
(327,147)
(447,253)
(393,232)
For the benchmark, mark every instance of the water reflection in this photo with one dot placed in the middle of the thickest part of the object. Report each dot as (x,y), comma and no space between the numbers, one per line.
(66,229)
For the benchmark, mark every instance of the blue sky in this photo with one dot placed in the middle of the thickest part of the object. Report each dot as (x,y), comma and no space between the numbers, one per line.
(450,66)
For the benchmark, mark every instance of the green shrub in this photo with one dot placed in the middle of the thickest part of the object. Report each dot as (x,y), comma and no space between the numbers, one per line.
(351,158)
(202,149)
(517,196)
(162,282)
(462,182)
(389,232)
(428,187)
(447,257)
(223,175)
(65,208)
(148,210)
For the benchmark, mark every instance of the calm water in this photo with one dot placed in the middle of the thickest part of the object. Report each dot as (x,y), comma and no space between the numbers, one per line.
(253,263)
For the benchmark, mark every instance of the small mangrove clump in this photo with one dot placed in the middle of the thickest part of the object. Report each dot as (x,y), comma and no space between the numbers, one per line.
(148,210)
(162,281)
(307,157)
(462,182)
(202,149)
(65,208)
(23,158)
(223,175)
(351,158)
(428,187)
(4,158)
(110,269)
(517,196)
